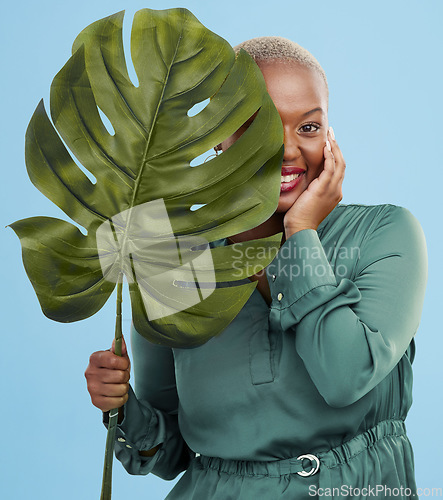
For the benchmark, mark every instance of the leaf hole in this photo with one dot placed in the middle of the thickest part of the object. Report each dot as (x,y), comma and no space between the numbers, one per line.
(82,229)
(207,155)
(198,108)
(88,174)
(197,206)
(106,122)
(126,35)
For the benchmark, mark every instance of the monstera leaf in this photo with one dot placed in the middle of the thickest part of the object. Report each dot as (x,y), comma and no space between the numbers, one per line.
(136,204)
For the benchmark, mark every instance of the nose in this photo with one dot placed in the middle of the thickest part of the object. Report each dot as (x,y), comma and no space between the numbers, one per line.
(292,150)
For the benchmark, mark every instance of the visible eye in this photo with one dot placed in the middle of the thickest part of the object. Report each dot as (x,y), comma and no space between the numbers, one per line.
(305,128)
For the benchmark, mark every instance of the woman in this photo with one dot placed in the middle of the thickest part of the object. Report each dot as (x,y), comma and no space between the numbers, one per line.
(305,393)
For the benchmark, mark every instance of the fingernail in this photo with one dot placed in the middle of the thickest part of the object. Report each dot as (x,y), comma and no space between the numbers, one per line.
(328,145)
(331,131)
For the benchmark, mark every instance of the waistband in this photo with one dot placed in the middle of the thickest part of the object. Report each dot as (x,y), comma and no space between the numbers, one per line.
(308,464)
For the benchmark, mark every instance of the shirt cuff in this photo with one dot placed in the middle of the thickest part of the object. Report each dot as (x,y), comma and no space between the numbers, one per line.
(298,276)
(139,430)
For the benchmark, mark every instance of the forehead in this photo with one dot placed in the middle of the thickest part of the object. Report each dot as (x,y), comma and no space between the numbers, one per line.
(293,86)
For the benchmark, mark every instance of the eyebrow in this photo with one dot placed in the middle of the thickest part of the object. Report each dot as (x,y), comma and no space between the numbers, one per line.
(313,111)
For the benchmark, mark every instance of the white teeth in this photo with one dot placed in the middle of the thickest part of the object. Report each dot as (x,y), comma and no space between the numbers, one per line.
(288,178)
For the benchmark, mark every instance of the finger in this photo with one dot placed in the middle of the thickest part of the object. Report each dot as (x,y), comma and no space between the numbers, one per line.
(107,403)
(329,163)
(327,173)
(107,359)
(340,164)
(124,350)
(112,376)
(125,353)
(108,390)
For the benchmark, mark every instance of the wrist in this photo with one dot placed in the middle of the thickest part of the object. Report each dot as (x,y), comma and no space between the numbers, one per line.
(290,230)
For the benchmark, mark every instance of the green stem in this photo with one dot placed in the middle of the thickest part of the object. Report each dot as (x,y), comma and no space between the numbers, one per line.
(113,414)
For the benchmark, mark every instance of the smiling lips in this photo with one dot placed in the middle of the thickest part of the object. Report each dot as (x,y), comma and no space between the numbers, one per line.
(290,178)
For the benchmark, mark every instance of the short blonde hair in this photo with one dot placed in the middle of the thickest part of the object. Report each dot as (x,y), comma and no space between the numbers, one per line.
(271,48)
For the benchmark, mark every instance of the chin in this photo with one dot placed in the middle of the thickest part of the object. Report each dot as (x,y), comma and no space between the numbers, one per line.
(287,199)
(285,204)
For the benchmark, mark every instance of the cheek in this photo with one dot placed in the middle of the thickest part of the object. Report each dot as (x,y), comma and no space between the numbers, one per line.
(314,158)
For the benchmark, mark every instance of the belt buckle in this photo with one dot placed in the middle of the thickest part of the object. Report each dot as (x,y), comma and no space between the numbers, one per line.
(315,467)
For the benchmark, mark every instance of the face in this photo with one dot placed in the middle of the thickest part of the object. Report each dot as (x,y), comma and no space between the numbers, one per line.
(300,96)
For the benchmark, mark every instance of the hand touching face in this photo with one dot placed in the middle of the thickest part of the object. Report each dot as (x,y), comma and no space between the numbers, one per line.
(321,196)
(301,98)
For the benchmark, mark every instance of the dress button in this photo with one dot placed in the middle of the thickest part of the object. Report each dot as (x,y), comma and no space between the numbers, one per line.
(273,277)
(122,440)
(279,296)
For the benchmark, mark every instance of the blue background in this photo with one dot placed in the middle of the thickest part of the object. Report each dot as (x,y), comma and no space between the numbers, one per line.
(383,63)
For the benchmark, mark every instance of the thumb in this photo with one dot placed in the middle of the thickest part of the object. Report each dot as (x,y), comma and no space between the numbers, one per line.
(124,350)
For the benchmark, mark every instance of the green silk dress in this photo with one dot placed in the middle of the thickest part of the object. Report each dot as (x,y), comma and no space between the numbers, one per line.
(306,397)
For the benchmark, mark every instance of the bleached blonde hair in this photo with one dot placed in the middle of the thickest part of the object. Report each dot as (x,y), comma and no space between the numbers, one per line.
(277,48)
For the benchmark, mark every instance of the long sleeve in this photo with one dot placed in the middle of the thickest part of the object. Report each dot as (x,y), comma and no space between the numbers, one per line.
(351,333)
(151,415)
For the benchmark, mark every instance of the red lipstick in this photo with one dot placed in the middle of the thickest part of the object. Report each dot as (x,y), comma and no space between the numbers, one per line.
(292,170)
(289,186)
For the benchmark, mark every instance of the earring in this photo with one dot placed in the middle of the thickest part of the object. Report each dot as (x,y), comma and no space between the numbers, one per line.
(216,153)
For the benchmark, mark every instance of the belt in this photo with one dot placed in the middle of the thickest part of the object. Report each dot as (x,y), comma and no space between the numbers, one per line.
(308,464)
(304,465)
